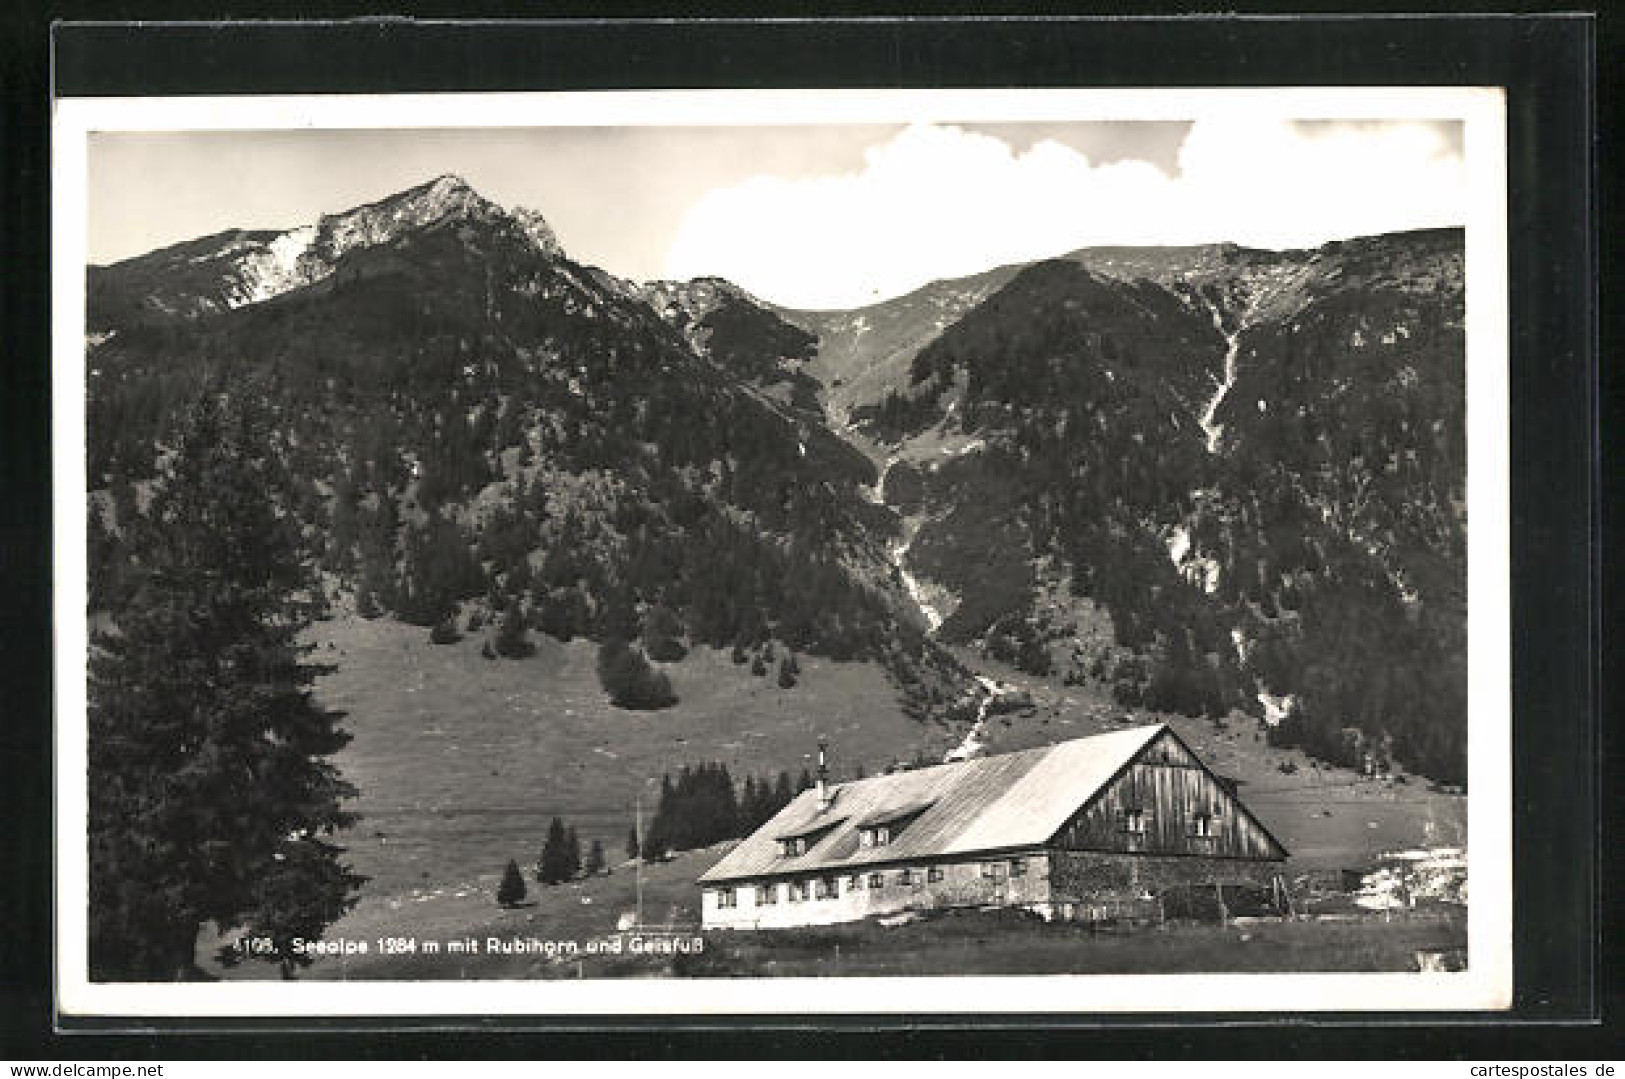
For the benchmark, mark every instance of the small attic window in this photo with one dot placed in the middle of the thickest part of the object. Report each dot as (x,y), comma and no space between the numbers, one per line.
(795,844)
(1132,821)
(881,828)
(874,837)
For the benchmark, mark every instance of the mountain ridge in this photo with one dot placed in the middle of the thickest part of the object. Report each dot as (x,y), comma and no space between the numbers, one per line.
(254,265)
(1192,456)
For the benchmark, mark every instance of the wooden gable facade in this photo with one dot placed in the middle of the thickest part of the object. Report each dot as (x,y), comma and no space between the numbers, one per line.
(1165,801)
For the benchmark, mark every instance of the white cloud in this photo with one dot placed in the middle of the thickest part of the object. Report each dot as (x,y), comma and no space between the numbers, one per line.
(938,201)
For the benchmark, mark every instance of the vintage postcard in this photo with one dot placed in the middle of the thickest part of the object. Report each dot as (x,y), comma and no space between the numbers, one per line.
(698,553)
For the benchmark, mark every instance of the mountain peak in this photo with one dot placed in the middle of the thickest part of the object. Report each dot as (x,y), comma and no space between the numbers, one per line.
(446,197)
(238,267)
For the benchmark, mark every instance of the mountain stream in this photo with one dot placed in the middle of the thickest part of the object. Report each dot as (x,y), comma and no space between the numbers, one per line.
(1232,338)
(898,553)
(974,738)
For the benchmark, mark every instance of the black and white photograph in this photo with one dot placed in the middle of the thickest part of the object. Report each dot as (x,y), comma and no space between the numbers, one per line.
(786,551)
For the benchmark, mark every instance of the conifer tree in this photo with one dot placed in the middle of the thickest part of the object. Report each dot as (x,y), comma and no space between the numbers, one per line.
(632,850)
(572,852)
(512,889)
(554,865)
(629,679)
(212,796)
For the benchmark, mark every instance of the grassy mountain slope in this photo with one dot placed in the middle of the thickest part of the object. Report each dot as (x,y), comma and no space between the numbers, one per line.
(461,761)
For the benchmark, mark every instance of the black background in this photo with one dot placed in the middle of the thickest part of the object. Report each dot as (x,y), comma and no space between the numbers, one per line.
(1562,751)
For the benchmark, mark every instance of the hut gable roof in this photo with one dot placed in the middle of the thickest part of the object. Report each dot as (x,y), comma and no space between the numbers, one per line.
(991,803)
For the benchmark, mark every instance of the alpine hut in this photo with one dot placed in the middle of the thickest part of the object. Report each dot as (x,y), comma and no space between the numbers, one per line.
(1081,829)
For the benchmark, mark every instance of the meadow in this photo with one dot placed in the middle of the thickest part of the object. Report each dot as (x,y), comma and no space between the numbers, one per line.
(462,761)
(581,916)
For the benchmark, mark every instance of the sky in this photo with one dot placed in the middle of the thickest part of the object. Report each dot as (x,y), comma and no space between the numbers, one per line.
(812,216)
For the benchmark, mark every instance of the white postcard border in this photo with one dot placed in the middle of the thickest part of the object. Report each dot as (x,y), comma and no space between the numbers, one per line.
(1486,984)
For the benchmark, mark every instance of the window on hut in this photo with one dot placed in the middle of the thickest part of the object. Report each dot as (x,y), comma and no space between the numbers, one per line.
(1132,821)
(826,888)
(877,880)
(727,897)
(1018,867)
(1202,826)
(933,874)
(882,829)
(798,891)
(767,894)
(905,877)
(798,843)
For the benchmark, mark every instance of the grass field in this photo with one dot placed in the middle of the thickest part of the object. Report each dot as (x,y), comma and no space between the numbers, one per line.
(971,943)
(580,916)
(461,762)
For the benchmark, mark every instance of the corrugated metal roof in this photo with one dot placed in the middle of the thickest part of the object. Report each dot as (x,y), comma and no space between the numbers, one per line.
(991,803)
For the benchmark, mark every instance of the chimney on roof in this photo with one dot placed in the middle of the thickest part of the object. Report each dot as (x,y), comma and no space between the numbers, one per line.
(824,798)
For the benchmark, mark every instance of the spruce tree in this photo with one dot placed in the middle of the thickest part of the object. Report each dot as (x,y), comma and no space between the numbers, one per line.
(554,865)
(512,889)
(632,850)
(572,852)
(212,796)
(629,679)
